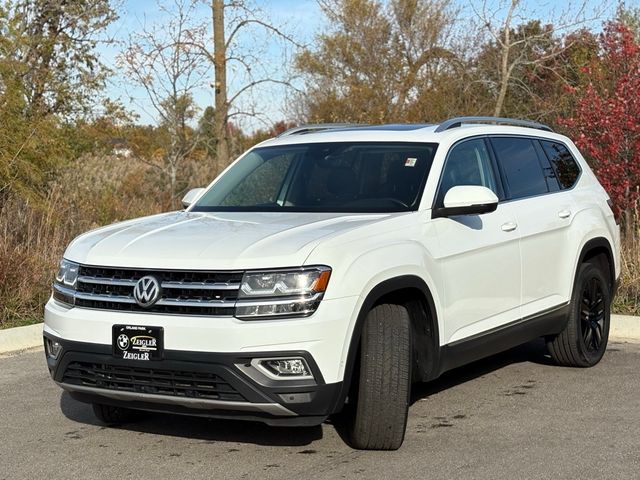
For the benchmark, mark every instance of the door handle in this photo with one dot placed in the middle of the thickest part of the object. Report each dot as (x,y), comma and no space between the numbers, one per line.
(509,226)
(564,213)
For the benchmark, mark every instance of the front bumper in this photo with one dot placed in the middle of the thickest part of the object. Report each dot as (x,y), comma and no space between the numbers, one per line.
(193,383)
(324,334)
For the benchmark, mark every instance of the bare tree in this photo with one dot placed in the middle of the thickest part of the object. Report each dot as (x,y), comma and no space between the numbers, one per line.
(231,20)
(518,50)
(163,61)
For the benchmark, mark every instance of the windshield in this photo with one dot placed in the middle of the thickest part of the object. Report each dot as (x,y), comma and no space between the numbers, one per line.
(324,177)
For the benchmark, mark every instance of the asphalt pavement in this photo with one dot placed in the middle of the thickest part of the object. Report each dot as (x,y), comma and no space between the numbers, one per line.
(512,416)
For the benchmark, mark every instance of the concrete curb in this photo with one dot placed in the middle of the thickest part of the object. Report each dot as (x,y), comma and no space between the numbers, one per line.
(20,338)
(623,327)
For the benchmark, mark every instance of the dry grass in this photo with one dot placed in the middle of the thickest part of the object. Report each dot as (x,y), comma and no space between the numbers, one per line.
(628,299)
(96,191)
(30,241)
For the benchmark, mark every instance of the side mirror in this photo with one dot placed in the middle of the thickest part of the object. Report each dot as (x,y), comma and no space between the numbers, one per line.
(191,196)
(467,200)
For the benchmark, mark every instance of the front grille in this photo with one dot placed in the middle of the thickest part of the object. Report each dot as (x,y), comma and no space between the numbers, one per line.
(173,383)
(168,309)
(183,292)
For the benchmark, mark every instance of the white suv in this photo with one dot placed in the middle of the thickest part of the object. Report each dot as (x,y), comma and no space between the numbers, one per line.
(328,269)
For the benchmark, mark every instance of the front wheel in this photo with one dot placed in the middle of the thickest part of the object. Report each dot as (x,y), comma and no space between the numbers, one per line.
(583,341)
(384,382)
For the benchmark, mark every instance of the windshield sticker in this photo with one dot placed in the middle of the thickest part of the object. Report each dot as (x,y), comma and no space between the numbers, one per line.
(410,162)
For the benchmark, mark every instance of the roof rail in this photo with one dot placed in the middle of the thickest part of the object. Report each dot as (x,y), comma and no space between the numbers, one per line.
(458,121)
(316,127)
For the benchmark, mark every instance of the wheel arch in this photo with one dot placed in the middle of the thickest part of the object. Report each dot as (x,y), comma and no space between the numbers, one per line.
(414,293)
(598,250)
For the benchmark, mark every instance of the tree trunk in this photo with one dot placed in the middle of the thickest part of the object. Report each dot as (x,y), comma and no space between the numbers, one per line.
(220,87)
(502,94)
(505,69)
(504,76)
(173,182)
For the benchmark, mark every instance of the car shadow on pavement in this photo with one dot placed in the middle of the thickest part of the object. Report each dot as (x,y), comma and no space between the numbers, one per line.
(208,430)
(532,352)
(237,431)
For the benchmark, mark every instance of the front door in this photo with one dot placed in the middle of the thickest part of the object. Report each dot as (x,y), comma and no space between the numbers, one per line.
(479,255)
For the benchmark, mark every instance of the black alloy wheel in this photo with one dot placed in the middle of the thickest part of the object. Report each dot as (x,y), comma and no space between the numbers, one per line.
(592,315)
(584,339)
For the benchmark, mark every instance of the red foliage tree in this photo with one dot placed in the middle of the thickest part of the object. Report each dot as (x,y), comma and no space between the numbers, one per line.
(606,122)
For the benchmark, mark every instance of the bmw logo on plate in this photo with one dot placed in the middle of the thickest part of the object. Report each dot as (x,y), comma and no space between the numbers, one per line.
(123,342)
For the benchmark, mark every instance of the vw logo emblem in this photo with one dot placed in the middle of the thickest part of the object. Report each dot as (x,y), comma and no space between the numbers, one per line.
(147,291)
(123,342)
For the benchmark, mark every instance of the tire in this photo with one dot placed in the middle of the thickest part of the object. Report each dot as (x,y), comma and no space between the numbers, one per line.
(110,415)
(384,380)
(584,340)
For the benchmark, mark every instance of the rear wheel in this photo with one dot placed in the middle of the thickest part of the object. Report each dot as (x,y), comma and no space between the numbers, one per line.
(111,415)
(384,380)
(584,340)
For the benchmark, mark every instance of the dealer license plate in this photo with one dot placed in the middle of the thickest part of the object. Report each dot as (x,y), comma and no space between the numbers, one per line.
(131,342)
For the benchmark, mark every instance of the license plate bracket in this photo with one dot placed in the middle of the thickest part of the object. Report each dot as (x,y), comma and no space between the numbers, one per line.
(137,342)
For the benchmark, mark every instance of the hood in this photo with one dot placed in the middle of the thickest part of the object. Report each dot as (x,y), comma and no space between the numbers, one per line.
(216,241)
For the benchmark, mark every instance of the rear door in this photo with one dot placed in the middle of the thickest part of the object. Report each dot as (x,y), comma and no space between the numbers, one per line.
(479,255)
(544,210)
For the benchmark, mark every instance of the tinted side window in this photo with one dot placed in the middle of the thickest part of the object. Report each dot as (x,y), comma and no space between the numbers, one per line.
(520,166)
(549,172)
(563,163)
(468,163)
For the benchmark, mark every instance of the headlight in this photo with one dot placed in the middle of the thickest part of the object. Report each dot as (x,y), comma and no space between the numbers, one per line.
(285,283)
(65,282)
(282,293)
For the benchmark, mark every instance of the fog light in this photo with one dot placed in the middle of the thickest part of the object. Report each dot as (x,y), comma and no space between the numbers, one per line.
(296,397)
(284,368)
(53,348)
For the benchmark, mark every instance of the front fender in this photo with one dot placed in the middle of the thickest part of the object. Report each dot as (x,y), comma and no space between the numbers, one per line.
(376,272)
